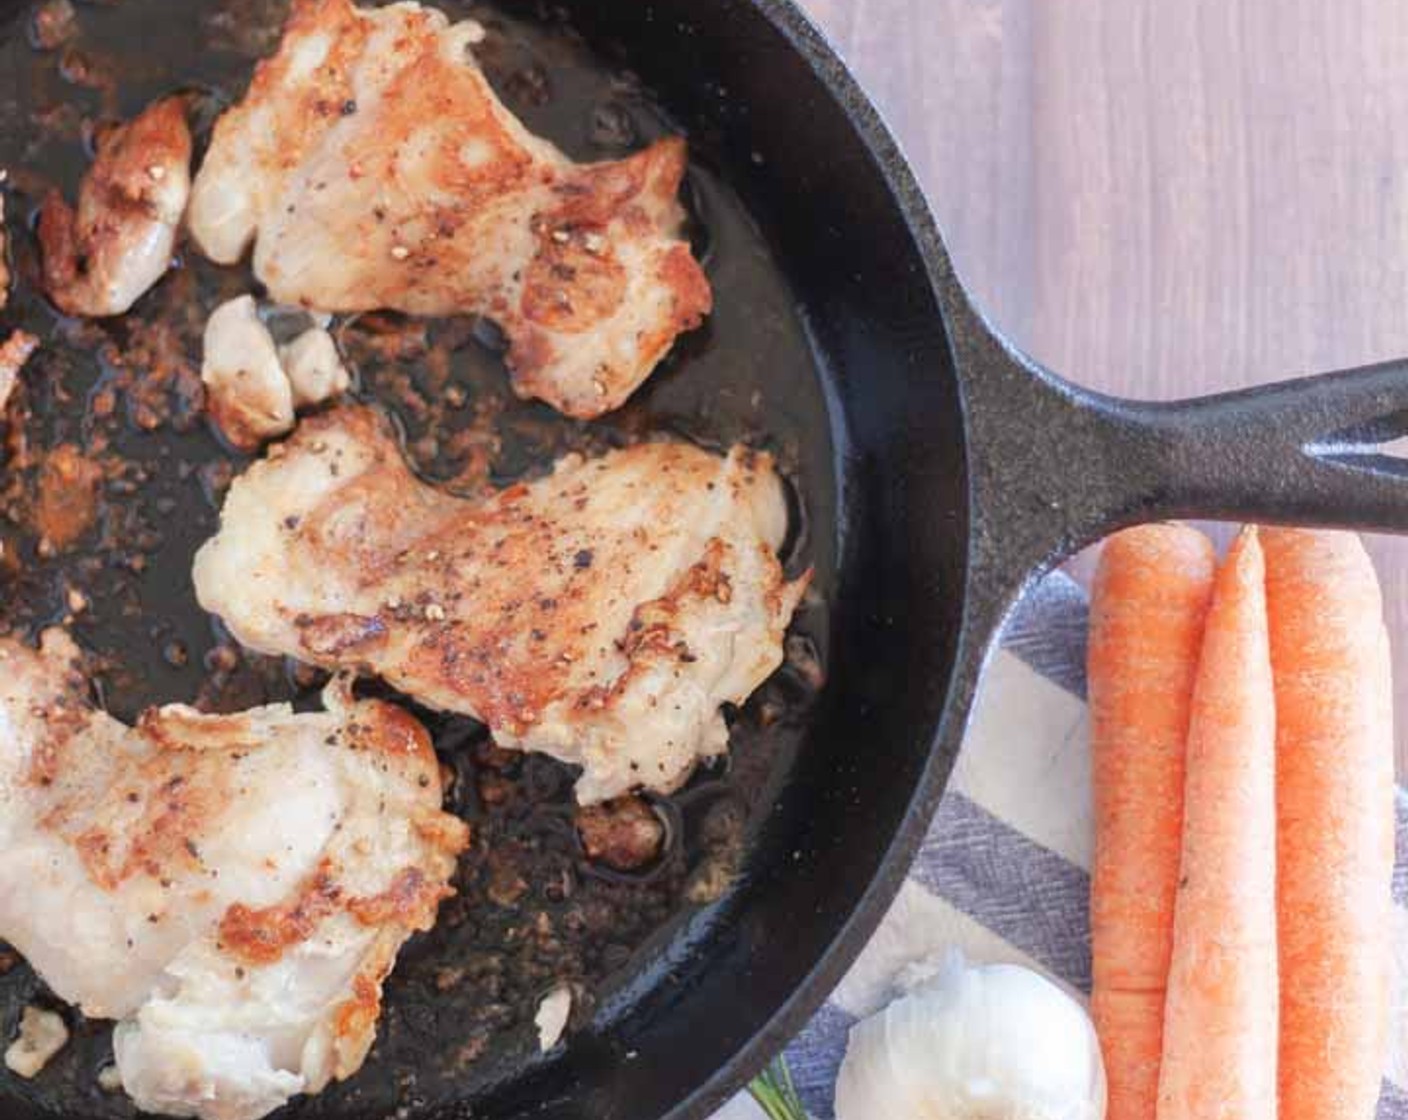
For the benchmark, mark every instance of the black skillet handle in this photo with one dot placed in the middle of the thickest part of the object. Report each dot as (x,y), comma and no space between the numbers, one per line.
(1055,467)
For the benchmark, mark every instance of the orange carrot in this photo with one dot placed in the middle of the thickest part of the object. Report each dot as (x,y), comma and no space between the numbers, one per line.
(1219,1057)
(1334,761)
(1150,599)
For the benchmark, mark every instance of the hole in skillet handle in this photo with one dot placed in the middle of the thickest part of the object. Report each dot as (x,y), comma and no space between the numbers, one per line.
(1316,451)
(1379,446)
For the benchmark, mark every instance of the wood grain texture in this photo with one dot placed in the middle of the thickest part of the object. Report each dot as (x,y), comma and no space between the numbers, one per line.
(1161,200)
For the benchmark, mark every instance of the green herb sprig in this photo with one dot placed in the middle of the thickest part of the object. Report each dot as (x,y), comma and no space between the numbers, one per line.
(776,1094)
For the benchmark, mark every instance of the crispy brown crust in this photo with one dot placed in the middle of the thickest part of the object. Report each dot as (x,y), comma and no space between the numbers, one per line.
(354,1022)
(162,809)
(410,901)
(449,834)
(651,635)
(389,730)
(693,299)
(569,289)
(262,935)
(178,729)
(64,701)
(574,284)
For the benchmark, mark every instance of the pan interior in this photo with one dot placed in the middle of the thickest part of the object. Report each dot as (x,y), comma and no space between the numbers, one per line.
(824,347)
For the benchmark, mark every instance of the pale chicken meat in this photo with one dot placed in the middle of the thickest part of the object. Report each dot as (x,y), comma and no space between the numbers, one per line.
(15,351)
(232,888)
(100,258)
(372,166)
(247,392)
(252,386)
(42,1034)
(603,614)
(314,368)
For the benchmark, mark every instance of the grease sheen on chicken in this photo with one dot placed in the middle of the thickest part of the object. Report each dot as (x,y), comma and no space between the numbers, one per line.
(372,166)
(233,889)
(603,614)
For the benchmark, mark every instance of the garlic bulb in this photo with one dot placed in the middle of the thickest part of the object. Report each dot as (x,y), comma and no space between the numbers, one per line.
(994,1042)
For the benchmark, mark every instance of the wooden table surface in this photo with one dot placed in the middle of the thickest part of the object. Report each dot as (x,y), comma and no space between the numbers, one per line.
(1158,199)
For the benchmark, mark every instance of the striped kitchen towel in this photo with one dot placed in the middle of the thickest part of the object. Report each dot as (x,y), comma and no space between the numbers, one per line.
(1003,873)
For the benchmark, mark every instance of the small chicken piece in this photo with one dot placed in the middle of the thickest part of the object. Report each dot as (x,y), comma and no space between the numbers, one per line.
(15,351)
(625,834)
(248,394)
(233,888)
(372,166)
(603,615)
(42,1035)
(314,368)
(254,387)
(99,260)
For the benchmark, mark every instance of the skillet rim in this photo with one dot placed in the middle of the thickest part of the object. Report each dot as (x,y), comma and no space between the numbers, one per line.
(895,170)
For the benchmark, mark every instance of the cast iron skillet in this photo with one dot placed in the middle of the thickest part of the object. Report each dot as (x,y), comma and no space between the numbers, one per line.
(943,472)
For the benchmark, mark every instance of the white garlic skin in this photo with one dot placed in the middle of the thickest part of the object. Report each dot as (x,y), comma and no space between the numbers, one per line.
(993,1042)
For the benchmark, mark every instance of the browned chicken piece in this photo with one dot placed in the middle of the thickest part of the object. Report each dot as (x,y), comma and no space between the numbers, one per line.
(247,393)
(625,834)
(252,387)
(233,889)
(372,166)
(100,259)
(14,352)
(603,614)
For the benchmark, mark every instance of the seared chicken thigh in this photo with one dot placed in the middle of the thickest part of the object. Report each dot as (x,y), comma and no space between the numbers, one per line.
(234,888)
(603,614)
(99,260)
(372,166)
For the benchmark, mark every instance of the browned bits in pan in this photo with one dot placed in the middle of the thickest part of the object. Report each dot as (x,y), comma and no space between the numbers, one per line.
(624,834)
(52,23)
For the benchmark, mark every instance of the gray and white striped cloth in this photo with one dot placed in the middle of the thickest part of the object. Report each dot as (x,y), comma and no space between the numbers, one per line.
(1003,874)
